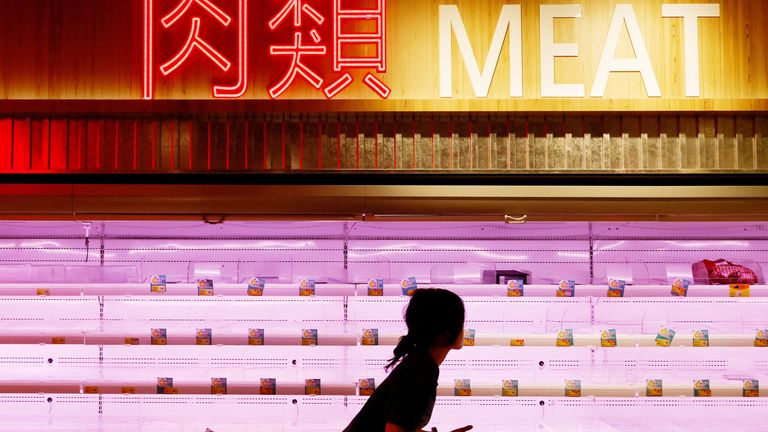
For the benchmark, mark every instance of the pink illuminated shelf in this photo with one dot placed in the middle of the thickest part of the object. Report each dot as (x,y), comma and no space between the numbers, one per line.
(482,388)
(354,290)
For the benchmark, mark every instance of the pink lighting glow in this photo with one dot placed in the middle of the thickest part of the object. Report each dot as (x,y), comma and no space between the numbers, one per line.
(81,332)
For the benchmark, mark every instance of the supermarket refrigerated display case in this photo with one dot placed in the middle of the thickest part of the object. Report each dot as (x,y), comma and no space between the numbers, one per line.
(78,315)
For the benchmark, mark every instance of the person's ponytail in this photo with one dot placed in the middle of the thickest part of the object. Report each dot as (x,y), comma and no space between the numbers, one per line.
(404,347)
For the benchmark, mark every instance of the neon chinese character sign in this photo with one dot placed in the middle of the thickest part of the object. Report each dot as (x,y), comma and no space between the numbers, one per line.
(189,11)
(298,8)
(343,37)
(297,49)
(345,20)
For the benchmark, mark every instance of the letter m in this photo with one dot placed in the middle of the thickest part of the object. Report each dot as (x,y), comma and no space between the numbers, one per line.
(451,22)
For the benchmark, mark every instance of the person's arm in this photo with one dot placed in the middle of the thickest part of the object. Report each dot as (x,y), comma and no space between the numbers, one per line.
(395,428)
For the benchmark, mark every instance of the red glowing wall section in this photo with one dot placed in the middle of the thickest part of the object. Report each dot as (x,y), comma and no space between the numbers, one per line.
(307,43)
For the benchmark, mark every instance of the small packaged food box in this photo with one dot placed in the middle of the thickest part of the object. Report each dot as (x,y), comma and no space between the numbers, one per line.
(309,337)
(701,388)
(469,337)
(573,388)
(701,338)
(376,287)
(218,386)
(608,338)
(255,336)
(205,287)
(307,287)
(256,287)
(654,388)
(267,386)
(157,284)
(616,288)
(370,337)
(510,388)
(159,336)
(312,387)
(564,338)
(515,288)
(680,287)
(366,386)
(203,336)
(665,336)
(408,286)
(462,387)
(566,288)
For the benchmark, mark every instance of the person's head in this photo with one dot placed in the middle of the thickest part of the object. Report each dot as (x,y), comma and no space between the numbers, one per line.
(435,319)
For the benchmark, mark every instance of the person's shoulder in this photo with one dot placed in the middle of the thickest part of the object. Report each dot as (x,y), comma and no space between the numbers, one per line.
(420,365)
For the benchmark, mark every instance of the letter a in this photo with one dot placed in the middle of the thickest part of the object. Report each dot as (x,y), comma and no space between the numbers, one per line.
(624,13)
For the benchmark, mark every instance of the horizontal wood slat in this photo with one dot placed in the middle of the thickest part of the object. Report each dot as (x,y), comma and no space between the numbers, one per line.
(461,143)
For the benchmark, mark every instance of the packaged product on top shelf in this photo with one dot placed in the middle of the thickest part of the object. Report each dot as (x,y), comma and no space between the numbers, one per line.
(157,284)
(739,290)
(654,387)
(159,336)
(572,388)
(517,342)
(90,390)
(680,287)
(218,386)
(701,338)
(408,285)
(701,388)
(608,338)
(462,387)
(43,292)
(469,337)
(751,388)
(564,338)
(366,386)
(267,386)
(255,336)
(128,390)
(665,336)
(515,288)
(761,338)
(312,387)
(256,287)
(131,341)
(566,288)
(616,288)
(307,287)
(205,287)
(58,340)
(203,337)
(370,337)
(722,272)
(376,287)
(510,388)
(309,337)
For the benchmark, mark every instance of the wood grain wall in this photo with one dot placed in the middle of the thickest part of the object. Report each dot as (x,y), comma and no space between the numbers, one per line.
(92,50)
(457,143)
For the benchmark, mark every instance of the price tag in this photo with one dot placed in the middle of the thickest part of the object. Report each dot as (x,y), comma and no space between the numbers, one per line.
(740,290)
